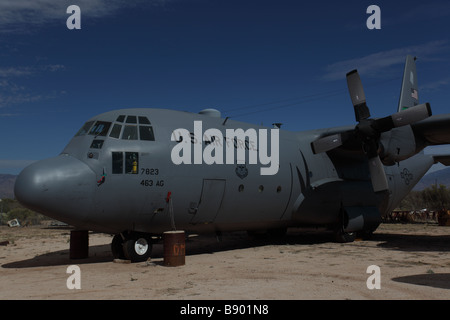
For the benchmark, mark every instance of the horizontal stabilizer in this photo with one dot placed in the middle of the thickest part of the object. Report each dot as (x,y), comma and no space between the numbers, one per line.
(444,159)
(433,131)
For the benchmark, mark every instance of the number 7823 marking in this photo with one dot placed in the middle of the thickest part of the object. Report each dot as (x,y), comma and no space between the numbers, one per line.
(150,171)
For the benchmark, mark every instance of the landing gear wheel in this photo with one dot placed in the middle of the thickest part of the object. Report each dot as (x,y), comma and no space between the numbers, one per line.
(117,247)
(138,248)
(343,237)
(340,235)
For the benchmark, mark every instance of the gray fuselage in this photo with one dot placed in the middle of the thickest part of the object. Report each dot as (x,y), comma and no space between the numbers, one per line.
(115,176)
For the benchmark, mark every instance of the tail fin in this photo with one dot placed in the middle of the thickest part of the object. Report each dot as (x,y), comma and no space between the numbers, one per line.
(409,96)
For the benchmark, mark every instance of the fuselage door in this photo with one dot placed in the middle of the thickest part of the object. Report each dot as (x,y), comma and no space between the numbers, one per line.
(210,201)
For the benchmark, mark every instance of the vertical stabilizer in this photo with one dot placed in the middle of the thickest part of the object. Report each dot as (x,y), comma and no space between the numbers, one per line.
(409,94)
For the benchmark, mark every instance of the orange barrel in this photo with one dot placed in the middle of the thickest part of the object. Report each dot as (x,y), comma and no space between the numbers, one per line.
(79,244)
(174,248)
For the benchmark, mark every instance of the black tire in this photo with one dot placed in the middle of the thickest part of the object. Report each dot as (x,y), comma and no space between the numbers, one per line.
(137,248)
(340,235)
(117,247)
(343,237)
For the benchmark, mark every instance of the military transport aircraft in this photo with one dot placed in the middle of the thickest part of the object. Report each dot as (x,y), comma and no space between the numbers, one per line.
(137,173)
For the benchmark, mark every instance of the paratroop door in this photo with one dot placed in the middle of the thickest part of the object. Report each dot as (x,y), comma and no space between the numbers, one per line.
(210,200)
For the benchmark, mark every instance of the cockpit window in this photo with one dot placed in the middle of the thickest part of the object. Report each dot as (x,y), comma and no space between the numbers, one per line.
(131,119)
(100,128)
(115,132)
(146,133)
(144,120)
(130,133)
(131,162)
(126,128)
(85,128)
(117,162)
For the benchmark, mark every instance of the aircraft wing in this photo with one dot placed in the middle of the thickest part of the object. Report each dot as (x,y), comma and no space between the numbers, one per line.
(432,131)
(444,159)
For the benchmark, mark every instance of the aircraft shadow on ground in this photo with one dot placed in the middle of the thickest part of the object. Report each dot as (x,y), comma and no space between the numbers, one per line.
(413,243)
(97,254)
(202,244)
(435,280)
(209,244)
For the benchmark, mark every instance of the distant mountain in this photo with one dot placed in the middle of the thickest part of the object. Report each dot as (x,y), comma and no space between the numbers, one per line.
(436,177)
(7,185)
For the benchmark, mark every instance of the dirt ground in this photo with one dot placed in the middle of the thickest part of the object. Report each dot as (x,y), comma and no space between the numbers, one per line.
(413,261)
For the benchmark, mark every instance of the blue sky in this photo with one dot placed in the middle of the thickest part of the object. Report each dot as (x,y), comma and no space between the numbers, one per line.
(256,61)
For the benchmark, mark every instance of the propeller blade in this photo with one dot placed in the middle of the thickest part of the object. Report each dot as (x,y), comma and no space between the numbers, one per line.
(411,115)
(326,143)
(357,95)
(369,130)
(403,118)
(379,181)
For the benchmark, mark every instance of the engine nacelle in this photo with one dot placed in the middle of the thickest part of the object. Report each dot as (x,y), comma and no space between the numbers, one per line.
(397,145)
(361,218)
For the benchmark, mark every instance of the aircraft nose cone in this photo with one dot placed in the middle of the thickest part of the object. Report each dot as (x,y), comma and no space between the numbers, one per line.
(61,188)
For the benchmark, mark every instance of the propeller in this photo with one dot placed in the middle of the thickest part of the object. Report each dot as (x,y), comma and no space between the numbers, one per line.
(368,130)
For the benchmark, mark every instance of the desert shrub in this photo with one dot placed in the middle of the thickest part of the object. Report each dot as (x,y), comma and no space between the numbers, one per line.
(24,215)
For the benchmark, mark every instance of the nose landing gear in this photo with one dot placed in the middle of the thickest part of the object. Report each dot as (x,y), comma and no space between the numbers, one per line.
(132,246)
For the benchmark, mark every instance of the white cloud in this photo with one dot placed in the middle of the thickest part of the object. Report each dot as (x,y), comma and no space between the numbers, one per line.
(14,72)
(426,11)
(18,98)
(4,115)
(23,15)
(376,63)
(435,85)
(11,93)
(8,72)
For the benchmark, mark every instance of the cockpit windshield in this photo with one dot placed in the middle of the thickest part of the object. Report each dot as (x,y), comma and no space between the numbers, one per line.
(129,127)
(132,128)
(100,128)
(130,133)
(85,128)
